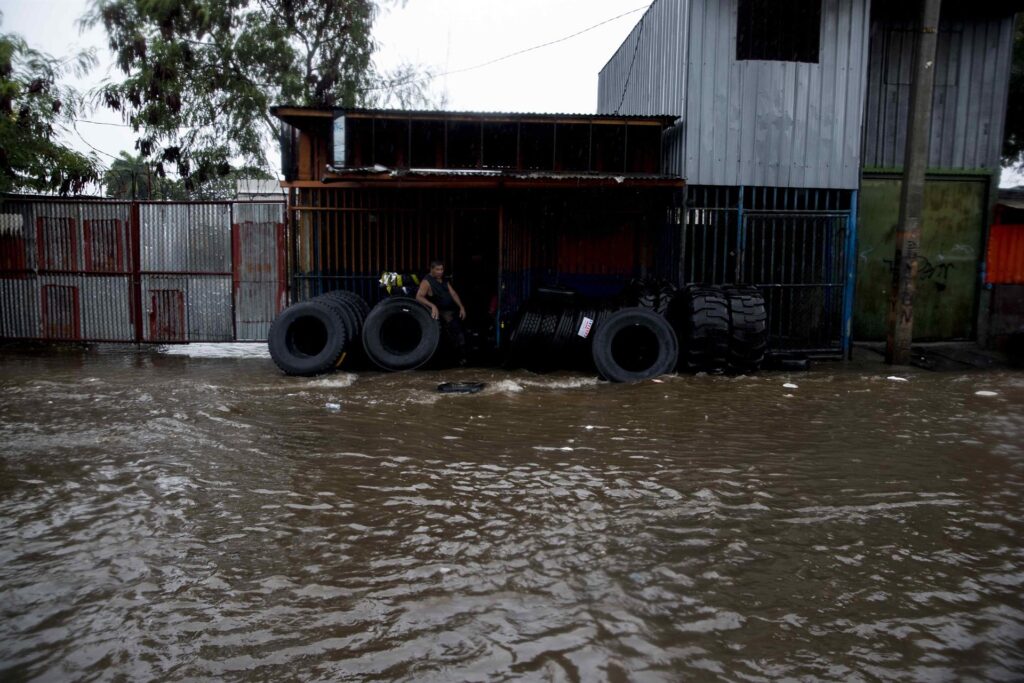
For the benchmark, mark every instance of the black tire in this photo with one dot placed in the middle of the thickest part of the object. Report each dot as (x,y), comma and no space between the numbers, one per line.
(634,344)
(701,318)
(307,338)
(353,299)
(399,334)
(748,329)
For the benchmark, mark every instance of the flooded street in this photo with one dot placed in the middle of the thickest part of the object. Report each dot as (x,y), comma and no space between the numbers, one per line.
(168,517)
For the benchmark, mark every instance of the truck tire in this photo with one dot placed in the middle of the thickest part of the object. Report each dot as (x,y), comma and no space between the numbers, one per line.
(399,334)
(634,344)
(307,338)
(701,317)
(748,329)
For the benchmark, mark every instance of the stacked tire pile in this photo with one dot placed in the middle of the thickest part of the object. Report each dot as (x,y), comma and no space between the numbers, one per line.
(553,334)
(316,336)
(724,328)
(624,345)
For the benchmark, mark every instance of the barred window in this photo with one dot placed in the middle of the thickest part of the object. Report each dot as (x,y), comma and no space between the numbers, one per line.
(779,30)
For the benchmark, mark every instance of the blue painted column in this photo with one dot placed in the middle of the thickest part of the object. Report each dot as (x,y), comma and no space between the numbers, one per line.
(851,276)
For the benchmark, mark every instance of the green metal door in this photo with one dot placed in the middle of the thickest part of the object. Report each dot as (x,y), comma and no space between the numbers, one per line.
(949,261)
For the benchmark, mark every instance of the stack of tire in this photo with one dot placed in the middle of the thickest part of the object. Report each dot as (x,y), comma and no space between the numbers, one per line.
(624,345)
(724,328)
(316,336)
(552,334)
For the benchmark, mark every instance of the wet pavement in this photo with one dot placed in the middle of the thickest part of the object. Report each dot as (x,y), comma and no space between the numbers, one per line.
(169,517)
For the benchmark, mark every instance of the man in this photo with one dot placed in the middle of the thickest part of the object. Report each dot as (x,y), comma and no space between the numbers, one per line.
(444,304)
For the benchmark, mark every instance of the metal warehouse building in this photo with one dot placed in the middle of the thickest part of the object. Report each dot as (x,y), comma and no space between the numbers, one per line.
(790,126)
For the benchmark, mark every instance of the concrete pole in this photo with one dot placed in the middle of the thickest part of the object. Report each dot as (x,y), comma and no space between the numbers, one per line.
(915,162)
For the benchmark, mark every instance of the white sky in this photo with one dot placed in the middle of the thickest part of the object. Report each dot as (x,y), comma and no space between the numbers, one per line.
(445,35)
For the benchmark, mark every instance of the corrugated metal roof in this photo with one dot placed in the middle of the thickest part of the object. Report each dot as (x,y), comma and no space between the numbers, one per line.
(664,119)
(382,172)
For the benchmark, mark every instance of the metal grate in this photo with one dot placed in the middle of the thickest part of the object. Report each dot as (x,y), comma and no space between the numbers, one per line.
(794,245)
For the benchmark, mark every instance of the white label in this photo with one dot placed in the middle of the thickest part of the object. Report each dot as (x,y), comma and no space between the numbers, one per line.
(585,327)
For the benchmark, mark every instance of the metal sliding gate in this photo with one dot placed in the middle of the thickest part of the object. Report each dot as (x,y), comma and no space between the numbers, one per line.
(795,245)
(161,272)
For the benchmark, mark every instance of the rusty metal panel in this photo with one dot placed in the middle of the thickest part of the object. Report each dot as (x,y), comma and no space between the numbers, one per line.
(258,257)
(1005,261)
(60,312)
(106,238)
(205,314)
(19,308)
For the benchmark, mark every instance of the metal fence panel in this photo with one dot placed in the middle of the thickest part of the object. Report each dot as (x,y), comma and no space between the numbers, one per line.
(794,245)
(19,308)
(260,277)
(98,270)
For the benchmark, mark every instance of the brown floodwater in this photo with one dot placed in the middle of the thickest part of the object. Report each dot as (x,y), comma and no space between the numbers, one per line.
(173,516)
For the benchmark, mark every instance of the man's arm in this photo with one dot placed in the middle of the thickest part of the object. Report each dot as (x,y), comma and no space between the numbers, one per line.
(458,301)
(421,296)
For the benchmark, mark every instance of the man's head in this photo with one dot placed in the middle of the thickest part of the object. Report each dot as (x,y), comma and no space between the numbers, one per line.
(437,269)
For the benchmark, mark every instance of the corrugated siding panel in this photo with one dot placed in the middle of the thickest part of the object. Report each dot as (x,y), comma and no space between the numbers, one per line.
(969,103)
(1005,261)
(751,122)
(19,308)
(656,84)
(259,272)
(769,123)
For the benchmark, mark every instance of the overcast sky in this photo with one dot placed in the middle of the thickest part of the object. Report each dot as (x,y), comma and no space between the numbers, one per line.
(445,35)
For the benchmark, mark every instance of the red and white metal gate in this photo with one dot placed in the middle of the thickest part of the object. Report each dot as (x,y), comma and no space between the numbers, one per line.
(140,271)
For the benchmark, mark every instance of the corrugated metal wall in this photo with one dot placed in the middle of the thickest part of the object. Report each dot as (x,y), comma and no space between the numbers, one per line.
(751,122)
(123,271)
(655,86)
(972,69)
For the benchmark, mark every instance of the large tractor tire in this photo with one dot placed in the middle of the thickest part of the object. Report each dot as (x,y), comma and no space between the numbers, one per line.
(748,329)
(307,338)
(634,344)
(701,317)
(399,334)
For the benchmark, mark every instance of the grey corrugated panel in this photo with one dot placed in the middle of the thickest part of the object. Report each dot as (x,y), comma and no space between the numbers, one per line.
(259,291)
(968,106)
(210,238)
(164,236)
(258,212)
(655,85)
(768,123)
(19,308)
(209,309)
(255,309)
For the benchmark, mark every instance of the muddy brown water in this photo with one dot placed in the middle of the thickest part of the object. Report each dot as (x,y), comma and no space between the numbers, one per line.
(167,517)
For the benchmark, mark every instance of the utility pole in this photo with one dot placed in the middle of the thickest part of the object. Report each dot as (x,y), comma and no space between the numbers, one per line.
(915,162)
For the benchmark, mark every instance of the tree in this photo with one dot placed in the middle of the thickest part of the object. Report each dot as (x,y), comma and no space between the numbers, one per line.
(132,177)
(201,75)
(1013,140)
(34,108)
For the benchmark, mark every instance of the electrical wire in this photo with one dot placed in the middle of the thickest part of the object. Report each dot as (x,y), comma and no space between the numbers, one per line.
(629,74)
(428,78)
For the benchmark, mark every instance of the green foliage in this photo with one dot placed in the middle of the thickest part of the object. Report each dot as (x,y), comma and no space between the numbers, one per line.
(201,75)
(132,177)
(34,108)
(1013,140)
